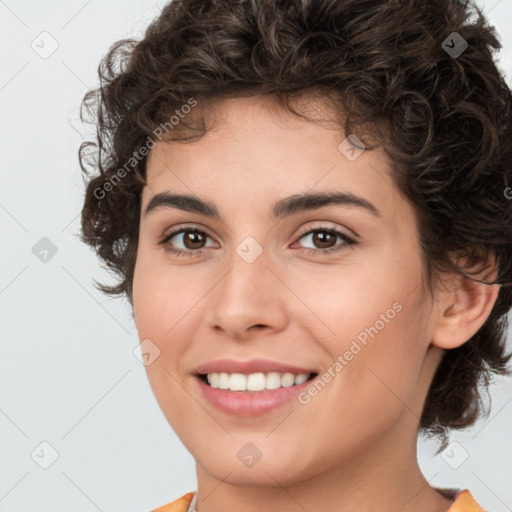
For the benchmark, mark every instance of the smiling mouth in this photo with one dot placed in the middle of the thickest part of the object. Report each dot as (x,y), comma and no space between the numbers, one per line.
(254,382)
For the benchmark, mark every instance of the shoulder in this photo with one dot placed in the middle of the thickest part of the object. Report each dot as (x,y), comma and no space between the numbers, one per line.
(179,505)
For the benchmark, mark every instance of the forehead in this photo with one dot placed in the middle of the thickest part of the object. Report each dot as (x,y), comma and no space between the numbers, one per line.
(256,152)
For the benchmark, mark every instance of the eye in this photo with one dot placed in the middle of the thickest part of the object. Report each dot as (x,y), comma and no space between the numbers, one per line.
(325,238)
(192,241)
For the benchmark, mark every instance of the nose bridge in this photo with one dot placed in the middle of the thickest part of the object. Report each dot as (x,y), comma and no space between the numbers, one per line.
(247,293)
(246,281)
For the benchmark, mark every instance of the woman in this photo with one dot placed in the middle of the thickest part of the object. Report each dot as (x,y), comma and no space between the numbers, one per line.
(306,205)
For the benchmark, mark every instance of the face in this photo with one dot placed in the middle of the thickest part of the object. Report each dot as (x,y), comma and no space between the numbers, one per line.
(330,288)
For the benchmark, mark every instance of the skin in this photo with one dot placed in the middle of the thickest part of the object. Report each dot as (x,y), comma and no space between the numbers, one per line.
(353,446)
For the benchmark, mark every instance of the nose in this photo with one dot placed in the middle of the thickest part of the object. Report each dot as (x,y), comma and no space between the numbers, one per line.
(248,299)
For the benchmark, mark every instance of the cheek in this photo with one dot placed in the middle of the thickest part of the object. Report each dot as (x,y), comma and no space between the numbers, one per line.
(374,328)
(166,308)
(373,387)
(380,375)
(162,295)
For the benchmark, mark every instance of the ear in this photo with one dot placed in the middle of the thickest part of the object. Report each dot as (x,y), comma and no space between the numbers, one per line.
(463,306)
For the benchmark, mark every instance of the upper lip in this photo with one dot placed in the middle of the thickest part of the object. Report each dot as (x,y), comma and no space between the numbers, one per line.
(249,366)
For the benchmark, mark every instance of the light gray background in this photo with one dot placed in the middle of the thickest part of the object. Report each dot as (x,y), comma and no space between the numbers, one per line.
(68,375)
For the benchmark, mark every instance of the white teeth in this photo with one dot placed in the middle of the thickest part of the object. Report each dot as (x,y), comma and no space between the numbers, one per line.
(273,380)
(237,382)
(223,380)
(254,381)
(299,379)
(214,380)
(287,380)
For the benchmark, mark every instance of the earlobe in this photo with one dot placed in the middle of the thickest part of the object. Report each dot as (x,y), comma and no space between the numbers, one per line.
(461,311)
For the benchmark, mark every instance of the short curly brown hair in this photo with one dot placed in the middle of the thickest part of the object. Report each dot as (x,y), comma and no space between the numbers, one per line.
(391,64)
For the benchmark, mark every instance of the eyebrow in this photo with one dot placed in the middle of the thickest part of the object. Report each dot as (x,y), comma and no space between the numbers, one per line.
(282,208)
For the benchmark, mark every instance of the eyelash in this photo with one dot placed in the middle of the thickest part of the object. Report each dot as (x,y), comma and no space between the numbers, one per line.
(348,241)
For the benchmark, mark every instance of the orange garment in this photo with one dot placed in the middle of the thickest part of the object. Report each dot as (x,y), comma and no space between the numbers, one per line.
(464,503)
(179,505)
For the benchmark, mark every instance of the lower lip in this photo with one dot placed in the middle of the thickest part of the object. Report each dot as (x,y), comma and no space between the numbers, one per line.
(250,403)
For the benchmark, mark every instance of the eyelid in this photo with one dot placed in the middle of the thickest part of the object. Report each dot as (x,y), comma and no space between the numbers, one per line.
(179,228)
(351,234)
